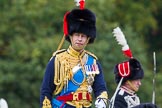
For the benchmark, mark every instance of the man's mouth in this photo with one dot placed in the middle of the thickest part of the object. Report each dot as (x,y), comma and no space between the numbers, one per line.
(79,44)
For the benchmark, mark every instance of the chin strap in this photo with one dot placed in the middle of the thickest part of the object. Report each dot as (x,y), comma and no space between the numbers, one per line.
(61,43)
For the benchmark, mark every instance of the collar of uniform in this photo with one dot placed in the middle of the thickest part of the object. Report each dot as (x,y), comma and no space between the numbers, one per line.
(127,90)
(75,53)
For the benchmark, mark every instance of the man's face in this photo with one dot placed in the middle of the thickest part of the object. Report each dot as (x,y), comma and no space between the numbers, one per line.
(134,84)
(79,41)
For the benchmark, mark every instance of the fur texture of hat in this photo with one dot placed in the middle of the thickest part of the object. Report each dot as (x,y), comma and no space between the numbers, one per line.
(82,21)
(136,71)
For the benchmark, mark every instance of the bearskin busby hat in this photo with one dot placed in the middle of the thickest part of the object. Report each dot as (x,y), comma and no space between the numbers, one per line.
(132,66)
(81,21)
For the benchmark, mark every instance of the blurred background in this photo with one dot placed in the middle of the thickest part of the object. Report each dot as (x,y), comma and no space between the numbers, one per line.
(31,30)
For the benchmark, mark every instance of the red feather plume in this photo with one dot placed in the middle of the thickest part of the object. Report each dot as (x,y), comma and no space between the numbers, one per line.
(65,24)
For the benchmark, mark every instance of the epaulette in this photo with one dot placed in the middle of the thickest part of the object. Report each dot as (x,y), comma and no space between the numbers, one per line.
(91,54)
(58,52)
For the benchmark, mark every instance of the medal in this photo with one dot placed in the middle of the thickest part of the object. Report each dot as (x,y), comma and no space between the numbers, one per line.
(90,79)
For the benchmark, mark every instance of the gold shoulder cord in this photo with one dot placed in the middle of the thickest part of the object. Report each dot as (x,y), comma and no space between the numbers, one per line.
(57,79)
(59,73)
(63,70)
(91,54)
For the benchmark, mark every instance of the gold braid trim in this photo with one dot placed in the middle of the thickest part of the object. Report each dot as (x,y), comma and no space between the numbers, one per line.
(104,96)
(84,102)
(64,62)
(58,76)
(46,103)
(58,51)
(60,72)
(91,54)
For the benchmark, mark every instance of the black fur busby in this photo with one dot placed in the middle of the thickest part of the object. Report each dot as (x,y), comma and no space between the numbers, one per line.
(81,21)
(135,68)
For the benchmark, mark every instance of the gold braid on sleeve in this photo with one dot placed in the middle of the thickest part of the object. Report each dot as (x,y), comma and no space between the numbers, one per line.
(62,72)
(58,78)
(104,96)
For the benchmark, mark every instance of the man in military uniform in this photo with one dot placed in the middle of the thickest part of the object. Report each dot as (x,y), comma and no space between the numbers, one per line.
(126,94)
(73,74)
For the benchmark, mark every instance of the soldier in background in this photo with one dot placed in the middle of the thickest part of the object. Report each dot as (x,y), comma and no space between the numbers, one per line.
(126,96)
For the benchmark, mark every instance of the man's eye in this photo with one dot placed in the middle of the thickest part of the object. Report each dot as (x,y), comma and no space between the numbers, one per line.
(83,35)
(76,34)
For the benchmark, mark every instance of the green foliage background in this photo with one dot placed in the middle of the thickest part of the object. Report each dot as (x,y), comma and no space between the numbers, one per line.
(31,30)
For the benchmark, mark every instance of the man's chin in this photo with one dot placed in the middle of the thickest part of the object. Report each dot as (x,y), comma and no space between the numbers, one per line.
(78,48)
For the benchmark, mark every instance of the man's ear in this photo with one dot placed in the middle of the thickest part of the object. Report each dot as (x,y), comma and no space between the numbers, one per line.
(88,40)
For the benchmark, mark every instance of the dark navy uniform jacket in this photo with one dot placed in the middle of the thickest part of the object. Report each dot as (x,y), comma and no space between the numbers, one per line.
(48,85)
(126,99)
